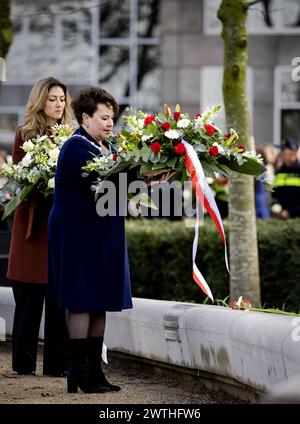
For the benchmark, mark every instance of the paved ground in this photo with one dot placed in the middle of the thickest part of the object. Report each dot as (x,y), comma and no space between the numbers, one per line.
(140,385)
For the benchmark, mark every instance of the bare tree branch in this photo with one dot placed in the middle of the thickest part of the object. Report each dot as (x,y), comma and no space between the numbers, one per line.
(251,3)
(266,13)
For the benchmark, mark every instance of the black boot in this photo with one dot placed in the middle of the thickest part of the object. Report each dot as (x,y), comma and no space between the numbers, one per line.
(94,359)
(78,375)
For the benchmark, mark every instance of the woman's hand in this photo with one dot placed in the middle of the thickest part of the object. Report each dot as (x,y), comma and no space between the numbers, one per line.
(158,175)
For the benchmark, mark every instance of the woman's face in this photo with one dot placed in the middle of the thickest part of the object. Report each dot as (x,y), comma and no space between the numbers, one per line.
(55,104)
(101,123)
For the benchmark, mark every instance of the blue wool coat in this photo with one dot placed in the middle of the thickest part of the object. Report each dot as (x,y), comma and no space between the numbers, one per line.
(88,260)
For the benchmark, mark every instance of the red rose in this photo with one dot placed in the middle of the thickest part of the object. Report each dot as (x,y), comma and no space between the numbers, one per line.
(242,148)
(155,147)
(213,151)
(166,126)
(115,156)
(176,115)
(223,181)
(209,129)
(198,115)
(149,119)
(228,135)
(179,149)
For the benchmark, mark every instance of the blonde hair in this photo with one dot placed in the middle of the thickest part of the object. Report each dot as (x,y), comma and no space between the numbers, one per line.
(35,120)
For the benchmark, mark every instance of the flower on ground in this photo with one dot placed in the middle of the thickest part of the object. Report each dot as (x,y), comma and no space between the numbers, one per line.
(241,303)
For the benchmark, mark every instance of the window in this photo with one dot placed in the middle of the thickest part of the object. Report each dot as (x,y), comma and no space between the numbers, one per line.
(112,43)
(129,52)
(282,17)
(286,105)
(52,39)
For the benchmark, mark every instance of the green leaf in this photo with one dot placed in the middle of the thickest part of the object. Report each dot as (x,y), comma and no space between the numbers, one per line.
(250,167)
(16,201)
(158,166)
(171,162)
(163,158)
(143,199)
(145,157)
(156,157)
(145,167)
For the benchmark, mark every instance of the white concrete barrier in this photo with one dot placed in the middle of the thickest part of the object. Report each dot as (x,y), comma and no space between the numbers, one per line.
(253,348)
(7,309)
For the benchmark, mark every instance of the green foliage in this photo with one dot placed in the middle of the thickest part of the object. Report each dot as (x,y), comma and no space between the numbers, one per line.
(161,264)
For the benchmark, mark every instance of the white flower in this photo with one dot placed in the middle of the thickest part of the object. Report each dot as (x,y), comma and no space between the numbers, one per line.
(26,161)
(28,146)
(53,156)
(221,150)
(51,183)
(239,301)
(210,180)
(147,137)
(183,123)
(173,134)
(140,123)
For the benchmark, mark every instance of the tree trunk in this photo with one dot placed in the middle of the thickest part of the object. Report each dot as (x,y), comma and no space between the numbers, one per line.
(244,279)
(6,32)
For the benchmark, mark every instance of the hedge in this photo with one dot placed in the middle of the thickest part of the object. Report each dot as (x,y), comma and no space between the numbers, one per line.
(160,261)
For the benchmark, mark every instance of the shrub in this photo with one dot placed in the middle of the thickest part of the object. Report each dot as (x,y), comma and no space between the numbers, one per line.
(161,265)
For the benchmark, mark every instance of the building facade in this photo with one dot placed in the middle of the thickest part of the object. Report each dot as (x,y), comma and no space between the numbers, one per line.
(150,52)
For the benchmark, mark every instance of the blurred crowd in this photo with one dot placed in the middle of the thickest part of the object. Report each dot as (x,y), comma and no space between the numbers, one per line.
(283,172)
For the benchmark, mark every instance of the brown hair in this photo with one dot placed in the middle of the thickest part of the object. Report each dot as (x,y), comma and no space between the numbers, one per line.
(87,100)
(35,120)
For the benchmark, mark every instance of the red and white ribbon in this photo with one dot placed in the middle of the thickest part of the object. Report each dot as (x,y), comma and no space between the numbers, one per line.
(205,196)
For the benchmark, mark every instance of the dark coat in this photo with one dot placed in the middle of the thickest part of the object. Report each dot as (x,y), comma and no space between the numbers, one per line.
(287,188)
(88,260)
(28,253)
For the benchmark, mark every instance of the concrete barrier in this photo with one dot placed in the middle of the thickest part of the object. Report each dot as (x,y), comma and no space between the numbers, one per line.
(255,349)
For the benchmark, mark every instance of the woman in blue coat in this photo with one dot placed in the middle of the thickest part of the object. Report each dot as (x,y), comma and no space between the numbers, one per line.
(88,261)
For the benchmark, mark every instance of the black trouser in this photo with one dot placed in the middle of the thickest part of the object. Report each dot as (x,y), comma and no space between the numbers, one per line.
(29,300)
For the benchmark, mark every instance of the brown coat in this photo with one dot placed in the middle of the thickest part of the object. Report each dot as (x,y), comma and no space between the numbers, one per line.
(28,253)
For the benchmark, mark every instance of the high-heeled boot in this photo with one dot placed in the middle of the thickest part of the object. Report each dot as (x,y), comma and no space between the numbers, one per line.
(78,375)
(96,374)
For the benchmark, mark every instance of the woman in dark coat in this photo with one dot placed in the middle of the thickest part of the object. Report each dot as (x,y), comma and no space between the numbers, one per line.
(49,103)
(88,261)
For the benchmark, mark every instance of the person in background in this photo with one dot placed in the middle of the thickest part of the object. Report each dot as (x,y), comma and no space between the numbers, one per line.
(48,104)
(262,199)
(3,196)
(286,195)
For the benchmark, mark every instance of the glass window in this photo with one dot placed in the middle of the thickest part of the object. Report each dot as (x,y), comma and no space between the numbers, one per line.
(42,32)
(290,127)
(289,89)
(148,18)
(149,77)
(129,54)
(286,105)
(89,42)
(52,38)
(114,19)
(114,69)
